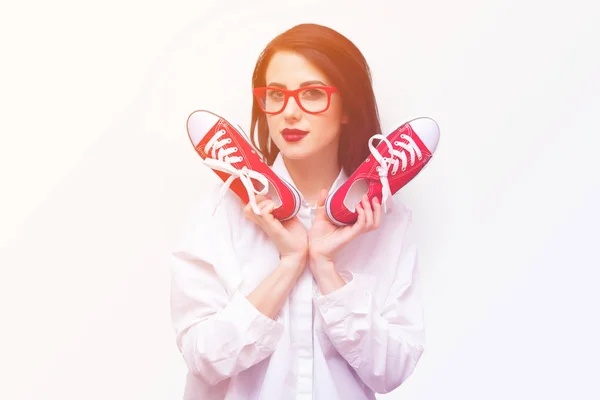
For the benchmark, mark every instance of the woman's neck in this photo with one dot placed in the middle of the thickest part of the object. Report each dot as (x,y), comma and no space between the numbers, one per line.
(311,176)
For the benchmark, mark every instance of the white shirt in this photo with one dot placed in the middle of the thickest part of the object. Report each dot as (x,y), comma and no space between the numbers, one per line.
(361,339)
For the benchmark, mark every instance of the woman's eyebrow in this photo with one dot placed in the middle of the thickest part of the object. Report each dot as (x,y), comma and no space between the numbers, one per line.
(307,83)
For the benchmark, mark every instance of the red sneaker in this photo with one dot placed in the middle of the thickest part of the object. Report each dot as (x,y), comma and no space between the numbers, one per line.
(405,151)
(228,152)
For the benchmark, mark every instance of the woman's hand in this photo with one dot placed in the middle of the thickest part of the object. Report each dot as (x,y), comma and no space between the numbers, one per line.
(326,238)
(289,236)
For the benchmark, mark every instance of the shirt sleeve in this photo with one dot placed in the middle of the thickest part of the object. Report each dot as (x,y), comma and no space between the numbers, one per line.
(218,333)
(219,336)
(383,344)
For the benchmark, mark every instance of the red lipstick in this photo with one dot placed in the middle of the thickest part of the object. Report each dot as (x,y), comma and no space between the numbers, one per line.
(293,135)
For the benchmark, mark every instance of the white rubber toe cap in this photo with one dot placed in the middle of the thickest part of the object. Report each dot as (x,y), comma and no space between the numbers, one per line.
(199,124)
(428,131)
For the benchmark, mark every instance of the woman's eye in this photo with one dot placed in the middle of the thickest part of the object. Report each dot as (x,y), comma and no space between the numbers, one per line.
(276,95)
(313,94)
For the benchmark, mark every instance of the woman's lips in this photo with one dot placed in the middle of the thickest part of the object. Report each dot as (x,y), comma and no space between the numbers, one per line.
(293,135)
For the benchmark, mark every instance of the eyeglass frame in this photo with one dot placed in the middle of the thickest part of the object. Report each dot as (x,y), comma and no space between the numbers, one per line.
(294,93)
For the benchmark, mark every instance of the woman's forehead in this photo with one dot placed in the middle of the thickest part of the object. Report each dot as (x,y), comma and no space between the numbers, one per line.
(291,70)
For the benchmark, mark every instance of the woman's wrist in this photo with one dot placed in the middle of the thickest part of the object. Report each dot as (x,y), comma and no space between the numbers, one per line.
(320,266)
(293,261)
(327,278)
(320,261)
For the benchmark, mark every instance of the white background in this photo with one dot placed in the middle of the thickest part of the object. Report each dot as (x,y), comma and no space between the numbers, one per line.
(98,177)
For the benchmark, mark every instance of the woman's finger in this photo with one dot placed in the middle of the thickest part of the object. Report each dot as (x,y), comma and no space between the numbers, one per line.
(360,222)
(376,213)
(368,213)
(266,207)
(259,198)
(269,223)
(249,212)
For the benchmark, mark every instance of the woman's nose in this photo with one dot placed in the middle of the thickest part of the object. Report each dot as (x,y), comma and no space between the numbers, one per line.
(291,110)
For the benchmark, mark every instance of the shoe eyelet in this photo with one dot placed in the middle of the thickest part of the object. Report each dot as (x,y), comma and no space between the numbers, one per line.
(368,159)
(235,149)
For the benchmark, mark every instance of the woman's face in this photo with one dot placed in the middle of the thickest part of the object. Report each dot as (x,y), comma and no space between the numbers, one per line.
(290,71)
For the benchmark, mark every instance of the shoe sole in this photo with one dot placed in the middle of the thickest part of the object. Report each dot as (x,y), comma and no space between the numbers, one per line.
(296,197)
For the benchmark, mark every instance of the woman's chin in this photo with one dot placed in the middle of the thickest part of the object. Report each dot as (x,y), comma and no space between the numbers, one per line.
(295,152)
(306,149)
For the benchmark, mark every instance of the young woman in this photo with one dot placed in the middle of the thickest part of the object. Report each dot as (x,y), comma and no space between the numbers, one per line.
(304,308)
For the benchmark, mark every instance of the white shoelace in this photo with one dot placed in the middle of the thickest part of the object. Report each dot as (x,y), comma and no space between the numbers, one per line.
(398,159)
(221,160)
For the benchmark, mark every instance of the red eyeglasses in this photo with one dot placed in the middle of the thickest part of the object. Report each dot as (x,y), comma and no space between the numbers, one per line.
(311,99)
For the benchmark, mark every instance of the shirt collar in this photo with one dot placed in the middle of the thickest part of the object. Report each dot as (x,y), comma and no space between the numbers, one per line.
(280,169)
